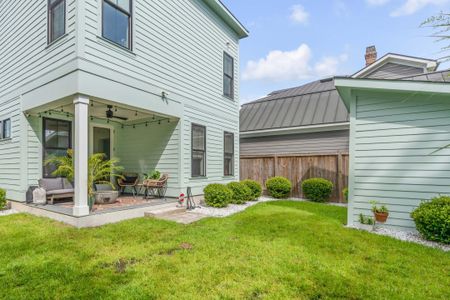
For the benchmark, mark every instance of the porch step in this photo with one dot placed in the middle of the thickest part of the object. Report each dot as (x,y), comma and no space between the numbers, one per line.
(176,214)
(160,211)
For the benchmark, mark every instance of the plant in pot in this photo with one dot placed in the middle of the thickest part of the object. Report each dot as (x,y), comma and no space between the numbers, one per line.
(381,213)
(155,175)
(100,171)
(366,223)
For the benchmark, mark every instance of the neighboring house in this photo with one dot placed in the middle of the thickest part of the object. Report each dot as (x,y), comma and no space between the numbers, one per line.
(396,128)
(308,126)
(153,83)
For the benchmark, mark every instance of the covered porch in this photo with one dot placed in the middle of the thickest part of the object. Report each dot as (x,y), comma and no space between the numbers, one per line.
(141,140)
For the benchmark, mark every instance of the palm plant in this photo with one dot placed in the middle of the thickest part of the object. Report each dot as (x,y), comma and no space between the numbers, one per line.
(100,170)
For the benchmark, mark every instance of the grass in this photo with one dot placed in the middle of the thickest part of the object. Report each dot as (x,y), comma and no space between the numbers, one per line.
(273,250)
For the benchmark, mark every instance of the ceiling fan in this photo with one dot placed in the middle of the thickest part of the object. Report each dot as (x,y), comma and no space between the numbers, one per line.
(110,114)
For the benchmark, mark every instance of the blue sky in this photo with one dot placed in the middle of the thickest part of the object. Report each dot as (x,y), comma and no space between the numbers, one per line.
(294,42)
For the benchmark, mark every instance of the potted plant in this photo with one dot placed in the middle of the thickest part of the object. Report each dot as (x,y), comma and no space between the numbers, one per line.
(381,213)
(100,171)
(155,175)
(366,223)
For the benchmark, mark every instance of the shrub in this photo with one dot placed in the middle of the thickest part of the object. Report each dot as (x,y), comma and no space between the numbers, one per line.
(255,187)
(317,189)
(278,187)
(2,199)
(345,193)
(217,195)
(432,219)
(241,192)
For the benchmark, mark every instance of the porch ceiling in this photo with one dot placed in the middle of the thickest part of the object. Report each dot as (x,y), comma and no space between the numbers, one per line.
(98,110)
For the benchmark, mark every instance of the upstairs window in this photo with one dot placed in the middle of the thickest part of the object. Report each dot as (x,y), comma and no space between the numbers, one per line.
(198,164)
(5,129)
(228,76)
(56,19)
(228,156)
(117,22)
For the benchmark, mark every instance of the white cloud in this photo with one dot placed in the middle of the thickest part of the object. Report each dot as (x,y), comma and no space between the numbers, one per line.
(377,2)
(299,14)
(291,65)
(412,6)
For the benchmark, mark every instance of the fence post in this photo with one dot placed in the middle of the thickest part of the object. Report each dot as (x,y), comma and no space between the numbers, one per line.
(275,165)
(339,179)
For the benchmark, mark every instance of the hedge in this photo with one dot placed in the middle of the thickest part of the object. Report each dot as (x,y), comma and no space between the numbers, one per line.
(217,195)
(279,187)
(317,189)
(241,193)
(255,187)
(432,219)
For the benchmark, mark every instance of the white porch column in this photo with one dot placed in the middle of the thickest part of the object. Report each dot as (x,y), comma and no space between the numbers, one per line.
(81,207)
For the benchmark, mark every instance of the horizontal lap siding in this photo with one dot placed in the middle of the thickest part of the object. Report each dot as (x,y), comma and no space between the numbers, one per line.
(393,70)
(395,162)
(215,128)
(10,161)
(144,149)
(178,48)
(306,143)
(25,59)
(23,43)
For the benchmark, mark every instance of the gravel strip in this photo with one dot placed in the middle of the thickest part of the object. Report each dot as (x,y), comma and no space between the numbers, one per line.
(410,237)
(231,209)
(406,236)
(7,212)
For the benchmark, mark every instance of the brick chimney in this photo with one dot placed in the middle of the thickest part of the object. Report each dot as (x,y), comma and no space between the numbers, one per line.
(371,55)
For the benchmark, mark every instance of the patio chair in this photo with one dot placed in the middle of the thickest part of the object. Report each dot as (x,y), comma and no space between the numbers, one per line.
(129,180)
(156,188)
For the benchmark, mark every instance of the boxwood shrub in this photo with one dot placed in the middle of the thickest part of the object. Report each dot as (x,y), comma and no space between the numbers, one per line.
(255,187)
(279,187)
(432,219)
(317,189)
(241,193)
(2,199)
(217,195)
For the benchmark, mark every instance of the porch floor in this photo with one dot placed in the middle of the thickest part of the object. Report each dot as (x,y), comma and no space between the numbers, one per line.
(123,203)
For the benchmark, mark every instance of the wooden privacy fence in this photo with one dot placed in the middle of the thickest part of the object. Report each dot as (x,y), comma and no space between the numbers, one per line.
(297,168)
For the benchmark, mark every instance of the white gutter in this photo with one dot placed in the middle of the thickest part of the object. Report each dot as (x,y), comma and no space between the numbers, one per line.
(296,130)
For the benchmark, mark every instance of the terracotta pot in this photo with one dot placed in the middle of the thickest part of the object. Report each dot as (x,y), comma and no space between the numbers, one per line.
(381,217)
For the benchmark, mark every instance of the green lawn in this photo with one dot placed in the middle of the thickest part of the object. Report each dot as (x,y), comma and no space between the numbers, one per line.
(278,250)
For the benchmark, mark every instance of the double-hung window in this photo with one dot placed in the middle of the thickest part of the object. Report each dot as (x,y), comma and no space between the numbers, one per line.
(228,154)
(116,23)
(56,19)
(228,76)
(198,164)
(57,140)
(5,129)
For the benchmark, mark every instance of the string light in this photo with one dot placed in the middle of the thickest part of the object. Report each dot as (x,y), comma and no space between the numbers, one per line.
(145,123)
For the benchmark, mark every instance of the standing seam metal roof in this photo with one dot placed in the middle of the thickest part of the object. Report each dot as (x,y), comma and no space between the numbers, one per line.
(315,103)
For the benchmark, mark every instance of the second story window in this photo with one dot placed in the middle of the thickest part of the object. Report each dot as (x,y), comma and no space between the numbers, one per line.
(228,76)
(117,22)
(56,19)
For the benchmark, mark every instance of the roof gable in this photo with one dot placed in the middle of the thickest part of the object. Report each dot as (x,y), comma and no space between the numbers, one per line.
(396,62)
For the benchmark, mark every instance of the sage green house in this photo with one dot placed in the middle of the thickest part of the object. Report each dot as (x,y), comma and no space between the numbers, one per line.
(396,127)
(152,83)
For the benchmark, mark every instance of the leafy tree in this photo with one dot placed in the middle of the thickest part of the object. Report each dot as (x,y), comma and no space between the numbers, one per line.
(440,24)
